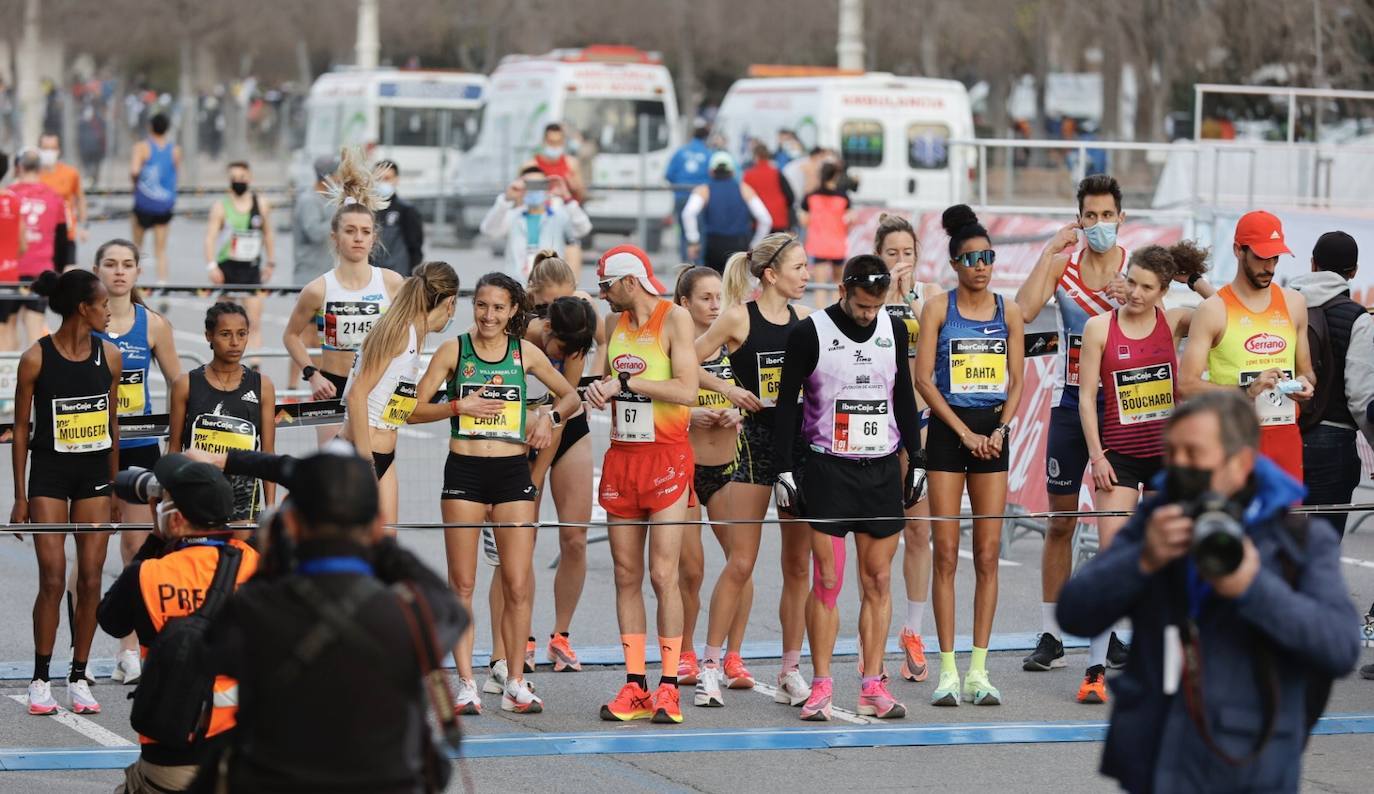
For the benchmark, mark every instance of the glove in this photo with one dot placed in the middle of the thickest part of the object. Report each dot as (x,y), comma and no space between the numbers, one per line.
(785,492)
(914,489)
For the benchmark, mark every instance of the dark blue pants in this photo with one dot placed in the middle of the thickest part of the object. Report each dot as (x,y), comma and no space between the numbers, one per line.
(1331,469)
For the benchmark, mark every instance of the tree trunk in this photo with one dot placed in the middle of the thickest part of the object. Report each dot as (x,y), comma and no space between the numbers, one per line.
(929,40)
(190,112)
(1111,83)
(689,86)
(28,91)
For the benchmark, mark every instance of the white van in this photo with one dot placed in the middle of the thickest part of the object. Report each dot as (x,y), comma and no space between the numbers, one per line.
(891,131)
(600,94)
(422,120)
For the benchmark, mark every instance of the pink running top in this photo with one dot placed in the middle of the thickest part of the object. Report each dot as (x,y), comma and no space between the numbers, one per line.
(1140,385)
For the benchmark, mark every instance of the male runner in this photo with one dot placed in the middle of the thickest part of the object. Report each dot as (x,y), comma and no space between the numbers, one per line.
(1252,335)
(858,404)
(650,386)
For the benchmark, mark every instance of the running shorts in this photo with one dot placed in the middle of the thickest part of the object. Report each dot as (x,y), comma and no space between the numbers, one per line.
(868,488)
(574,430)
(708,480)
(636,483)
(70,477)
(340,383)
(754,464)
(488,481)
(1066,452)
(145,457)
(1283,445)
(1132,472)
(148,220)
(240,273)
(32,302)
(945,453)
(381,461)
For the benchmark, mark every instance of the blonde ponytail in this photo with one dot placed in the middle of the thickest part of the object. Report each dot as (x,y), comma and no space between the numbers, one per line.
(745,268)
(431,284)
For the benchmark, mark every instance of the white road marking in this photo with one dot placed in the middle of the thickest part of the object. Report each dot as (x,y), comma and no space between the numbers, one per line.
(1360,563)
(81,725)
(835,711)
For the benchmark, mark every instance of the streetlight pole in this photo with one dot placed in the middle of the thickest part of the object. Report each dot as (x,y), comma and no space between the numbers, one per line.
(368,47)
(849,49)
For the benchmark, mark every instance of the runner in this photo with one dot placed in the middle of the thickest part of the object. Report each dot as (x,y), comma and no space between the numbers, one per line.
(488,473)
(141,335)
(968,368)
(1253,334)
(754,335)
(347,301)
(45,231)
(65,181)
(237,236)
(225,405)
(67,397)
(651,381)
(11,245)
(1132,352)
(714,434)
(153,167)
(825,215)
(381,390)
(849,365)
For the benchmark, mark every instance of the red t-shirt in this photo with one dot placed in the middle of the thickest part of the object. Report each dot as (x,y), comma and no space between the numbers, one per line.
(10,225)
(827,236)
(43,211)
(766,181)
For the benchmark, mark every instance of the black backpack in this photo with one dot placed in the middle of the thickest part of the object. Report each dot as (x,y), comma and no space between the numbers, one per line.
(175,696)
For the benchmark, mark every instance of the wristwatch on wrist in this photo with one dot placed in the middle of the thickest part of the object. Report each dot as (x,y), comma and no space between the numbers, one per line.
(1193,280)
(624,381)
(308,372)
(557,418)
(1006,430)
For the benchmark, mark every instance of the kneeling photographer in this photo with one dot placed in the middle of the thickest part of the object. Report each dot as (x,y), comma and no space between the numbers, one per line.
(336,645)
(189,565)
(1240,615)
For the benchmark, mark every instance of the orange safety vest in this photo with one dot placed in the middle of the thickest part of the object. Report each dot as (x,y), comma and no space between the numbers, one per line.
(174,586)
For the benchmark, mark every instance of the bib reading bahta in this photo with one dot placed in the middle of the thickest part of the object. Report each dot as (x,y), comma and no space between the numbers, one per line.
(977,365)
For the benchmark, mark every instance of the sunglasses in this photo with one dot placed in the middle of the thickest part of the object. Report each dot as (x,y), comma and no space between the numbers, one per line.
(870,280)
(975,258)
(605,286)
(540,310)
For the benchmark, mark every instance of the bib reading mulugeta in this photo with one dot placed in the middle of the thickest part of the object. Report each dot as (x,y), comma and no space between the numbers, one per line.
(81,424)
(132,392)
(720,367)
(1144,394)
(400,405)
(502,380)
(847,397)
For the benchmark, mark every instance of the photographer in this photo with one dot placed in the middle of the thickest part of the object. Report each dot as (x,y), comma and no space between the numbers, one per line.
(1239,611)
(169,578)
(328,662)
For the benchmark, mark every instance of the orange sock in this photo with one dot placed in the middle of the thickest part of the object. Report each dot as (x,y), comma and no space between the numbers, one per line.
(633,645)
(672,652)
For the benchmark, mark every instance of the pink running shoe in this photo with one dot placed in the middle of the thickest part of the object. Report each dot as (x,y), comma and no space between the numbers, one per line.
(817,707)
(687,668)
(876,701)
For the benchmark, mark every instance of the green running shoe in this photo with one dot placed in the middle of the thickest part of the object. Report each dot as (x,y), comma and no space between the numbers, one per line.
(947,693)
(979,691)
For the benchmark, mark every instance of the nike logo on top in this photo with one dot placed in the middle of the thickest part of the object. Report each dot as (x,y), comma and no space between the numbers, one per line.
(102,486)
(99,348)
(990,330)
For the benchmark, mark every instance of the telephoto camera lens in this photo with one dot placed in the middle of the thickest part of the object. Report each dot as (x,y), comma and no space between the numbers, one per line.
(1217,537)
(137,485)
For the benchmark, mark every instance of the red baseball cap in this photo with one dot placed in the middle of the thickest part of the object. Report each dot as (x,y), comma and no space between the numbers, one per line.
(1262,233)
(629,260)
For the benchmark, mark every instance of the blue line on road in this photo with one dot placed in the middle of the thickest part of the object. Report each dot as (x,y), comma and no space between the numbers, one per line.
(672,740)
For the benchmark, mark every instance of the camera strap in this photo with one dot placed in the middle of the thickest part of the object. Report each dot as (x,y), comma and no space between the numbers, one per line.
(420,622)
(1194,702)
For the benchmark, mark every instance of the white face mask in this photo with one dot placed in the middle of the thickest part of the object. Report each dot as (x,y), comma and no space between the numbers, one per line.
(448,326)
(162,519)
(48,157)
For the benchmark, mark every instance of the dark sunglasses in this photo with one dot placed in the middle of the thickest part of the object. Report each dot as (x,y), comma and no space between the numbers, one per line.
(604,286)
(869,280)
(976,258)
(540,310)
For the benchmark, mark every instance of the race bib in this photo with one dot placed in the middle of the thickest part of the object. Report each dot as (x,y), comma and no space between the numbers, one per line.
(903,312)
(977,365)
(81,424)
(770,377)
(400,405)
(1272,406)
(632,418)
(347,323)
(1144,394)
(861,426)
(218,434)
(1073,353)
(131,394)
(505,425)
(245,246)
(714,399)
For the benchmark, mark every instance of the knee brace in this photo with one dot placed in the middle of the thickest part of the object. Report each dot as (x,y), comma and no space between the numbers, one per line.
(828,595)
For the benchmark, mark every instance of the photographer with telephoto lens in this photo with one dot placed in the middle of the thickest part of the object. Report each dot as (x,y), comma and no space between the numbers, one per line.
(1239,611)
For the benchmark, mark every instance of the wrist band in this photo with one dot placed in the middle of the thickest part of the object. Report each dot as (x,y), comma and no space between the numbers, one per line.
(1193,280)
(453,407)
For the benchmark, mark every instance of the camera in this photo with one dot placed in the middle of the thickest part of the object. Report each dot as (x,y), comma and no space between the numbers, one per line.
(137,485)
(1217,534)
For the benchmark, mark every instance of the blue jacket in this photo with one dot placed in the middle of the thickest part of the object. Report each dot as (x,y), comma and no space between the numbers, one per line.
(1152,744)
(688,167)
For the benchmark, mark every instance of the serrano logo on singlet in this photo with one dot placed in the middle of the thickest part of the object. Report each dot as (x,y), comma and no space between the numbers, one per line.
(627,363)
(1266,344)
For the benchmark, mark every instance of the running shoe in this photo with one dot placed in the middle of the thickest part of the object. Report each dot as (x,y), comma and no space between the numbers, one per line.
(876,701)
(79,694)
(41,702)
(128,668)
(1094,686)
(489,547)
(529,655)
(736,674)
(1117,652)
(817,705)
(687,668)
(859,664)
(979,691)
(947,691)
(496,679)
(632,702)
(467,701)
(519,697)
(1366,672)
(560,652)
(1048,654)
(792,689)
(913,657)
(666,705)
(708,687)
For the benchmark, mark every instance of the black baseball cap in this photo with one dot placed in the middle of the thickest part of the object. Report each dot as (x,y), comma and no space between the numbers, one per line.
(1336,251)
(200,491)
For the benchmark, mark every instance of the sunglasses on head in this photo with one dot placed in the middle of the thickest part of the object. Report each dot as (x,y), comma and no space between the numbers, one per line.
(869,280)
(976,258)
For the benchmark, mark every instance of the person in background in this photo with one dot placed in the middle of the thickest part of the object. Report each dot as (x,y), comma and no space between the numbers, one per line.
(735,219)
(66,182)
(45,226)
(153,167)
(803,174)
(402,241)
(239,245)
(535,213)
(826,216)
(686,170)
(311,217)
(557,163)
(766,180)
(789,148)
(11,246)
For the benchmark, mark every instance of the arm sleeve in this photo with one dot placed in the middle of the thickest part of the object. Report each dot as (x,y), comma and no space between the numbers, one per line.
(763,222)
(497,220)
(413,232)
(1108,587)
(803,351)
(579,225)
(690,211)
(1359,374)
(904,393)
(674,170)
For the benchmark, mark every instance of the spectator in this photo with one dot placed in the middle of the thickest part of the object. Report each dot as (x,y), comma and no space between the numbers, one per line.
(729,209)
(686,171)
(789,148)
(804,173)
(45,225)
(826,216)
(65,182)
(11,246)
(402,235)
(310,219)
(766,180)
(535,213)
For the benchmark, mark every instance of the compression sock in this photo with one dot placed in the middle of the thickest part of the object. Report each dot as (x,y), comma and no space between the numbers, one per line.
(915,616)
(40,666)
(791,660)
(633,645)
(1048,623)
(979,660)
(712,655)
(1097,649)
(671,650)
(78,671)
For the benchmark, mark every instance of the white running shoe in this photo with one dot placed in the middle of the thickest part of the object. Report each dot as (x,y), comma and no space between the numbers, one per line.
(467,701)
(792,689)
(41,701)
(128,668)
(709,682)
(79,694)
(519,697)
(496,679)
(489,550)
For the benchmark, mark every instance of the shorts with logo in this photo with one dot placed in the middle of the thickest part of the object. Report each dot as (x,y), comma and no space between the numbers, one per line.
(1133,472)
(637,482)
(488,481)
(1066,452)
(145,457)
(944,452)
(708,480)
(754,464)
(835,487)
(1283,445)
(70,476)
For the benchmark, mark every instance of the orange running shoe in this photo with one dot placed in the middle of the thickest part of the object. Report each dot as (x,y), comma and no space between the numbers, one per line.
(913,657)
(560,652)
(687,668)
(736,673)
(1094,686)
(529,655)
(632,702)
(666,704)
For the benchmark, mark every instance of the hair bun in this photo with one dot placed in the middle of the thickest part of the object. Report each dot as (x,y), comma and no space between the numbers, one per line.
(45,284)
(957,217)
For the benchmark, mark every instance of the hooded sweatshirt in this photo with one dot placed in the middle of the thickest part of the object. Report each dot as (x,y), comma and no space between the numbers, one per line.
(1318,288)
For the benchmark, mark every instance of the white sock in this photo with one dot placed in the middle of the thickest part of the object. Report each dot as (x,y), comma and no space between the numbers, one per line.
(1097,649)
(915,616)
(1047,622)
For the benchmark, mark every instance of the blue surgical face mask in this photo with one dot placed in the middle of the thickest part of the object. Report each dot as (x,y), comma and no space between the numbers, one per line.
(385,189)
(1101,236)
(535,198)
(448,326)
(553,152)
